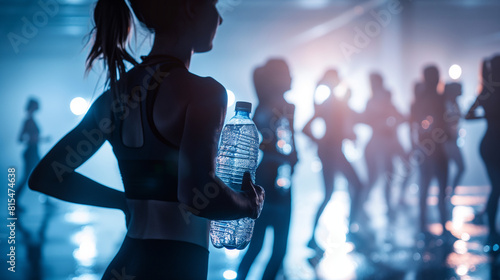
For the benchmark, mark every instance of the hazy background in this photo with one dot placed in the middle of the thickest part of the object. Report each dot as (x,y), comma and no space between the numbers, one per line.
(309,34)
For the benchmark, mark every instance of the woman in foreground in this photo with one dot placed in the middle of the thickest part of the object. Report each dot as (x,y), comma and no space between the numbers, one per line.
(164,125)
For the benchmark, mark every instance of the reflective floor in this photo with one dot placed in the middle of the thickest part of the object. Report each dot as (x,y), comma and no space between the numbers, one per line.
(57,240)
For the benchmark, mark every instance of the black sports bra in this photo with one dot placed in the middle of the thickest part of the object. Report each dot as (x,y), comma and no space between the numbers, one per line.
(148,166)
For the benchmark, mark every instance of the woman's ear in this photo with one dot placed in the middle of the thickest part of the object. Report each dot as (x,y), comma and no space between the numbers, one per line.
(190,8)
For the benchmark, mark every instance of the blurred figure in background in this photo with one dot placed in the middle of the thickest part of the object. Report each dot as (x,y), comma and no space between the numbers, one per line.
(429,134)
(384,146)
(30,136)
(489,100)
(274,118)
(337,116)
(452,118)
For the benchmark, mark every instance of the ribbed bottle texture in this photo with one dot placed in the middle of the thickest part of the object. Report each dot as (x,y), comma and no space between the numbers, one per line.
(237,154)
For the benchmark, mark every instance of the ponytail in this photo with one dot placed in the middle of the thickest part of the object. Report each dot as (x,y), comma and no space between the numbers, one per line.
(113,23)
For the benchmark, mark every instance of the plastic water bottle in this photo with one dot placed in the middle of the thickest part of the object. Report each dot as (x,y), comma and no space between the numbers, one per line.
(237,154)
(284,146)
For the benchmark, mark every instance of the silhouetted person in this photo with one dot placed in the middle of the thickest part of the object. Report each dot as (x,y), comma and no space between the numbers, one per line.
(30,136)
(271,82)
(384,146)
(452,118)
(430,133)
(163,123)
(489,100)
(337,116)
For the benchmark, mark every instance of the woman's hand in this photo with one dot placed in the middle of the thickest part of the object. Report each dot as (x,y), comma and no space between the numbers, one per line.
(254,193)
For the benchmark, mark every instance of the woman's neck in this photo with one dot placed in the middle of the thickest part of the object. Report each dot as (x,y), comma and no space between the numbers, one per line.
(171,46)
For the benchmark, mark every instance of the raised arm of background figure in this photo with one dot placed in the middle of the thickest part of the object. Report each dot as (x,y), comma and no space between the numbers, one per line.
(55,174)
(471,113)
(400,118)
(204,119)
(293,157)
(23,132)
(307,130)
(485,75)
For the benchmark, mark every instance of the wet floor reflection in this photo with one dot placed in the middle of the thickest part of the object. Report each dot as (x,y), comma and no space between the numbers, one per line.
(59,241)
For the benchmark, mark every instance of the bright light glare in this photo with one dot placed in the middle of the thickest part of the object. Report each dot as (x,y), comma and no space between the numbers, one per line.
(230,98)
(318,128)
(79,106)
(313,4)
(462,270)
(460,214)
(322,93)
(337,266)
(455,71)
(229,274)
(316,165)
(460,247)
(86,277)
(232,254)
(86,242)
(79,216)
(340,91)
(351,152)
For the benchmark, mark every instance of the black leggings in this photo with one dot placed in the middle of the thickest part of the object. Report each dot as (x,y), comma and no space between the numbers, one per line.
(278,217)
(152,259)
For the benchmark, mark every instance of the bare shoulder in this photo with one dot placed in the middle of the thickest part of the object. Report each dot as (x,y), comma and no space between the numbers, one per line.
(202,89)
(101,108)
(209,91)
(187,98)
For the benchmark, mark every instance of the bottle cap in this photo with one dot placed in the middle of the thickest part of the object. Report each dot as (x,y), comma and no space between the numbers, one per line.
(244,106)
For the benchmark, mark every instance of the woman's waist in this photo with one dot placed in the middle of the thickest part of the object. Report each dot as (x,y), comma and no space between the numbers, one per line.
(493,129)
(155,219)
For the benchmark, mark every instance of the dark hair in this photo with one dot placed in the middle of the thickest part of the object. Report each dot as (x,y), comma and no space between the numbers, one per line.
(376,80)
(32,102)
(113,23)
(495,68)
(270,77)
(330,78)
(431,76)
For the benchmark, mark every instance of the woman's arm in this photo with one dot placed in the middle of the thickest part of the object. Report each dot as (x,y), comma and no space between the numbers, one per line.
(55,174)
(471,114)
(23,131)
(199,190)
(400,118)
(293,157)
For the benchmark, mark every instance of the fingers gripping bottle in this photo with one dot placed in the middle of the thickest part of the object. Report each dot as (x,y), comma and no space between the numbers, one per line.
(238,152)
